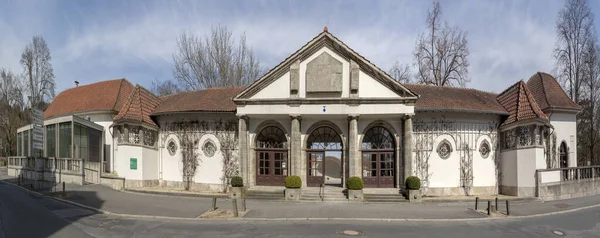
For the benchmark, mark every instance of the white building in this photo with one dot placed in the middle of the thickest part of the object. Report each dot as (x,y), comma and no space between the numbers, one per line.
(326,114)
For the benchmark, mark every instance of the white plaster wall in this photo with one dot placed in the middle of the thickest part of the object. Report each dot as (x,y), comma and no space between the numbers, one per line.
(171,164)
(150,163)
(255,123)
(280,88)
(345,72)
(210,170)
(508,167)
(331,109)
(484,169)
(550,176)
(444,173)
(124,153)
(371,88)
(565,127)
(526,166)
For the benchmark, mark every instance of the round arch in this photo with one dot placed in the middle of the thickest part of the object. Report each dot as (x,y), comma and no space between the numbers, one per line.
(325,162)
(264,125)
(378,156)
(563,152)
(320,124)
(271,149)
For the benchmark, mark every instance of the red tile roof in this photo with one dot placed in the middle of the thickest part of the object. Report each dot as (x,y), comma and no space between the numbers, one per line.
(458,99)
(102,96)
(139,106)
(548,93)
(520,104)
(207,100)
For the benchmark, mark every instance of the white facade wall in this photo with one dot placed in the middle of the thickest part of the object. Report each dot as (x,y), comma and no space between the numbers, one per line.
(484,169)
(370,88)
(278,89)
(565,127)
(444,173)
(124,154)
(150,163)
(345,74)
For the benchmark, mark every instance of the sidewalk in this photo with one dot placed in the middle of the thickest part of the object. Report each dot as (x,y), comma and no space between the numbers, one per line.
(109,200)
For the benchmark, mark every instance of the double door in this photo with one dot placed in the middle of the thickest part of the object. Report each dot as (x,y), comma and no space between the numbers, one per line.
(324,168)
(378,169)
(271,168)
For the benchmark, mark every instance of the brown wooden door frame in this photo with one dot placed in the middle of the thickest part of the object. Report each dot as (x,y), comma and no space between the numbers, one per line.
(378,181)
(315,181)
(270,179)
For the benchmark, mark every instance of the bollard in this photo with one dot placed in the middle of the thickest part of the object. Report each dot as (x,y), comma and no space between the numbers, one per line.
(476,202)
(64,193)
(214,203)
(489,210)
(507,210)
(496,208)
(244,204)
(19,180)
(235,210)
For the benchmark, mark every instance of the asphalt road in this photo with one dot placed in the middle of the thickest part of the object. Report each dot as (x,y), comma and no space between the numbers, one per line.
(26,215)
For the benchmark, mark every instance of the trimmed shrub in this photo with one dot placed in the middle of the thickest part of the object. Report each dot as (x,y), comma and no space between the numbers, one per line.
(355,183)
(237,181)
(413,183)
(293,181)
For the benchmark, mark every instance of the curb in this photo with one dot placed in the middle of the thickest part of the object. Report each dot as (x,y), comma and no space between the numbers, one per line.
(174,194)
(100,211)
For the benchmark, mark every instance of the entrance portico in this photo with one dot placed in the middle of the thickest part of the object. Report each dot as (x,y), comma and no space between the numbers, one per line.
(325,114)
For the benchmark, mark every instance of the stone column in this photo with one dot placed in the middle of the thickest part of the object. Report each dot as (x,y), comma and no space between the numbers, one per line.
(245,172)
(296,149)
(353,156)
(408,146)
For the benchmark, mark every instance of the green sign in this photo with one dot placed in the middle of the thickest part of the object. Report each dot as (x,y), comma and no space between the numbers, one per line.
(133,163)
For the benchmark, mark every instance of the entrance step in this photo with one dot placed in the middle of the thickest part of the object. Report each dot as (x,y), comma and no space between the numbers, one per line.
(332,194)
(384,197)
(265,194)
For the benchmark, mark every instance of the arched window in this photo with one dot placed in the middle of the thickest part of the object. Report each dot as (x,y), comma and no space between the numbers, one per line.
(378,158)
(564,155)
(271,156)
(324,138)
(271,137)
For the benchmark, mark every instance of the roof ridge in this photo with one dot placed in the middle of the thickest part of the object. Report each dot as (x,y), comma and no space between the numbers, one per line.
(445,86)
(544,87)
(118,94)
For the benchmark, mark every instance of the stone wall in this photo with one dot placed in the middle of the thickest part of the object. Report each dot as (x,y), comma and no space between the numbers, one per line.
(569,189)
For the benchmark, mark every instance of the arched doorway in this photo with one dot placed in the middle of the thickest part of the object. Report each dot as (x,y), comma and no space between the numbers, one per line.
(272,157)
(324,151)
(563,155)
(378,164)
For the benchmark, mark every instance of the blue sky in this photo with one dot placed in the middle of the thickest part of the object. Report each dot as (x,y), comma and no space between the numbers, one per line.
(99,40)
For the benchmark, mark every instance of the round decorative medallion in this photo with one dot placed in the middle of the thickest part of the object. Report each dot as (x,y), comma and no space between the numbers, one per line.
(172,147)
(484,149)
(209,148)
(444,149)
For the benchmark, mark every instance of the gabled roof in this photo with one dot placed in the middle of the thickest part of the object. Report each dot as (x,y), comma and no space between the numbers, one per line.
(520,104)
(549,94)
(207,100)
(336,45)
(139,106)
(102,96)
(443,98)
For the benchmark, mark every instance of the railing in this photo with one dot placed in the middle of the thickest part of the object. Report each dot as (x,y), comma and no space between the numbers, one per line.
(44,163)
(568,174)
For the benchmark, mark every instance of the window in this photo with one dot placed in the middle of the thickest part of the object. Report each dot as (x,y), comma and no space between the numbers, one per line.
(19,144)
(378,138)
(324,138)
(80,141)
(271,137)
(172,147)
(484,149)
(64,146)
(26,143)
(444,149)
(209,148)
(51,140)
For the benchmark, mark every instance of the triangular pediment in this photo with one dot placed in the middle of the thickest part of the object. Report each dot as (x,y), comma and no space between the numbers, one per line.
(325,67)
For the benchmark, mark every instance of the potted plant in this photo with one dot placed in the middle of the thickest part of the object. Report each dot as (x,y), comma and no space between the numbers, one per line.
(293,184)
(236,189)
(413,186)
(355,186)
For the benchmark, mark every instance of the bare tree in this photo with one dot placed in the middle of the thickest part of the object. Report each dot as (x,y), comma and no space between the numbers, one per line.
(401,73)
(38,71)
(11,106)
(441,53)
(589,118)
(163,88)
(215,61)
(574,31)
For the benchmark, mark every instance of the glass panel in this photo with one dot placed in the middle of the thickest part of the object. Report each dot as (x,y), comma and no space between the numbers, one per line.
(315,164)
(19,144)
(51,140)
(324,138)
(271,137)
(378,138)
(26,143)
(366,165)
(64,140)
(373,165)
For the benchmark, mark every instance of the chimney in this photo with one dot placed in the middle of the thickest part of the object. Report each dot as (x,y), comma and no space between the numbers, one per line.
(76,83)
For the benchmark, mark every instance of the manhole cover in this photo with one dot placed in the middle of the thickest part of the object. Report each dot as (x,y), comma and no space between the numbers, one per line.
(558,233)
(349,233)
(562,205)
